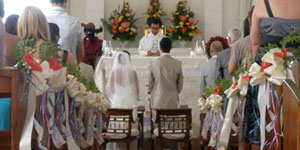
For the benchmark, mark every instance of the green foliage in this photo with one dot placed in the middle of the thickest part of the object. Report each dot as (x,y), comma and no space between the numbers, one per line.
(47,50)
(88,83)
(292,39)
(244,67)
(225,84)
(267,49)
(20,50)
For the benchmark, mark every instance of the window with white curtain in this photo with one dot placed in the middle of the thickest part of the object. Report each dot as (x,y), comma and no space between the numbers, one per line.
(18,6)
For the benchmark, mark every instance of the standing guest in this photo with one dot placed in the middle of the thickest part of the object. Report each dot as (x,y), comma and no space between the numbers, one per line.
(151,41)
(71,32)
(165,78)
(54,32)
(208,69)
(11,39)
(234,35)
(271,22)
(33,24)
(241,48)
(92,44)
(2,32)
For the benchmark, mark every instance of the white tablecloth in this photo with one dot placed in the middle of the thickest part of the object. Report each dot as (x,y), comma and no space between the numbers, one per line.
(188,96)
(174,51)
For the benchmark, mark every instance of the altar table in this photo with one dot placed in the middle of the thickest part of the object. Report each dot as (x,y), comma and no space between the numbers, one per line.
(174,52)
(188,96)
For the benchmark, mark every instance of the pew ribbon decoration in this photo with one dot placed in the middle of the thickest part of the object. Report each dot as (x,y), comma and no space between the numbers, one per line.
(203,104)
(64,99)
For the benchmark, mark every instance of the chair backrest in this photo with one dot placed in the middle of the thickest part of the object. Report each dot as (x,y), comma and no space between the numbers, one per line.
(118,121)
(162,30)
(174,121)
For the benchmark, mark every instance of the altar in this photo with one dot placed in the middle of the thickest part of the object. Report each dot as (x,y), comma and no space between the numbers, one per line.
(189,94)
(174,52)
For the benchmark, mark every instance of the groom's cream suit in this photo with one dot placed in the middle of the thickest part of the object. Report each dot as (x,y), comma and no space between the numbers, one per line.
(165,81)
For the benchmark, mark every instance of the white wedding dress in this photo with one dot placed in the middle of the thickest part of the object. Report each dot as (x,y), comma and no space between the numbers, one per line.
(122,91)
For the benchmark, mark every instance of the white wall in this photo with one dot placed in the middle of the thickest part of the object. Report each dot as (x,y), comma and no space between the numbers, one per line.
(140,6)
(232,14)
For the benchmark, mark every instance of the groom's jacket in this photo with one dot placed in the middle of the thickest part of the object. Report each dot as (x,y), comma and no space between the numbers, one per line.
(165,81)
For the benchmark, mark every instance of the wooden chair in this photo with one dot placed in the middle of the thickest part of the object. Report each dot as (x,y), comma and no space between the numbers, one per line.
(118,123)
(140,113)
(12,85)
(173,125)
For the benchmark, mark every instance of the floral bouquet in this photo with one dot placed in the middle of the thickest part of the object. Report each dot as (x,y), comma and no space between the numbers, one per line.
(216,38)
(121,24)
(183,24)
(59,88)
(154,11)
(214,98)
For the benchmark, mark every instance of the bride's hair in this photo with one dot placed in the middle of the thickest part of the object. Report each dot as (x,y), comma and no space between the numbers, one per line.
(122,57)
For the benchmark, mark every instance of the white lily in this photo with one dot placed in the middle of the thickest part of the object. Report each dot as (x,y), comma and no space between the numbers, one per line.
(39,81)
(277,74)
(215,101)
(243,83)
(204,105)
(269,57)
(232,90)
(258,76)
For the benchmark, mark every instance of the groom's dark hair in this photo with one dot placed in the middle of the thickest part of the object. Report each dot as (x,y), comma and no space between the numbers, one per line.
(57,1)
(165,45)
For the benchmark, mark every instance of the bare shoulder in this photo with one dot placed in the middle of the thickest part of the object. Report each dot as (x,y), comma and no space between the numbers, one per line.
(260,10)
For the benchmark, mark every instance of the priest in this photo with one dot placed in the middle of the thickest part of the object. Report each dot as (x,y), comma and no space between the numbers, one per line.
(149,44)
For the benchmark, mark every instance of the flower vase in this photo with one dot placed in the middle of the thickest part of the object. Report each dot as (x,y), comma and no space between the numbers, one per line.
(124,44)
(183,44)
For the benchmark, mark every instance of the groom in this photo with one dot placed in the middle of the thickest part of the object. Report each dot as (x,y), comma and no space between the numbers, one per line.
(165,78)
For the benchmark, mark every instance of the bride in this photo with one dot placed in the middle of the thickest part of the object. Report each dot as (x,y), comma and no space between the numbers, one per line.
(123,89)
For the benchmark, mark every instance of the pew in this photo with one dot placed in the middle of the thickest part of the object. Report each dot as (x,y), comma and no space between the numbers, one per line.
(291,115)
(12,84)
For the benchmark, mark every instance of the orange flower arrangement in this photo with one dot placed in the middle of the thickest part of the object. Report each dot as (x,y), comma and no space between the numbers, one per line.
(121,24)
(154,11)
(184,25)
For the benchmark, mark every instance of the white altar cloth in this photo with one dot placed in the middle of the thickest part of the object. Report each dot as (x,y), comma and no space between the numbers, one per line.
(188,96)
(174,51)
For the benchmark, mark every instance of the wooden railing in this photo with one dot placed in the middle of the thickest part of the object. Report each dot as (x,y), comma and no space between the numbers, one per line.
(12,83)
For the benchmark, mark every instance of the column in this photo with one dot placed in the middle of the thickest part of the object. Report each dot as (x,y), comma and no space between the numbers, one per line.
(213,18)
(94,13)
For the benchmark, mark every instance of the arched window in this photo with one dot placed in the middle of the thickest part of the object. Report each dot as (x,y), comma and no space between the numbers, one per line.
(18,6)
